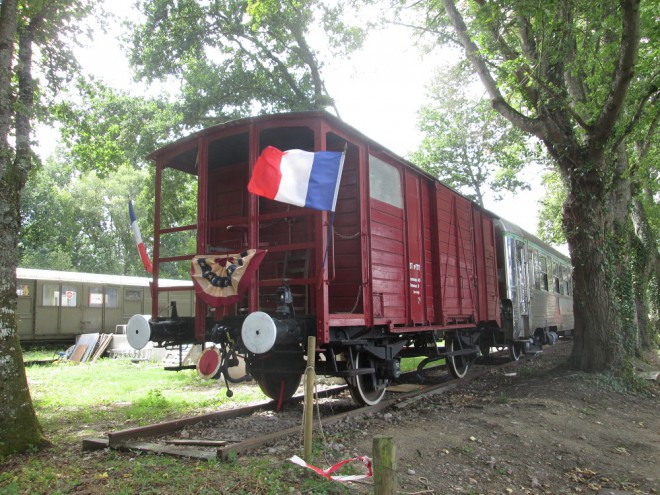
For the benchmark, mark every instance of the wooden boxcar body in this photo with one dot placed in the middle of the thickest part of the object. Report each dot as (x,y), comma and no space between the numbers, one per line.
(404,267)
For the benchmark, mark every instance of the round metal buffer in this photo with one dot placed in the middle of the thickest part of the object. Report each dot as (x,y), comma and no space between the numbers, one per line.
(208,365)
(259,332)
(138,331)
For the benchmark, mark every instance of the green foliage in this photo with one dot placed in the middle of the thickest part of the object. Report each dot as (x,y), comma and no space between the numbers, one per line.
(80,222)
(105,129)
(234,58)
(466,143)
(550,218)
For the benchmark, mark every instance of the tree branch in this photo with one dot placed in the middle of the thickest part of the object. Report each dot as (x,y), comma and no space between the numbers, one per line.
(623,74)
(533,126)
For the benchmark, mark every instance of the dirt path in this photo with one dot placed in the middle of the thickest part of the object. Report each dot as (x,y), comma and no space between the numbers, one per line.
(539,430)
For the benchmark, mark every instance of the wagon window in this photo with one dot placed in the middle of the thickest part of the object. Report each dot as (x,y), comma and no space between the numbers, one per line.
(544,272)
(566,272)
(51,293)
(556,275)
(536,266)
(385,182)
(111,297)
(132,295)
(95,297)
(23,290)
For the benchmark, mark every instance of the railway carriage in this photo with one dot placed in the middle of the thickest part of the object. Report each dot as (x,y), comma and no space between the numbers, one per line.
(536,281)
(57,306)
(403,267)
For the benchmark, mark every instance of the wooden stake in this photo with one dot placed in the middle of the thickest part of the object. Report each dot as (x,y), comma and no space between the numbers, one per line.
(384,467)
(309,398)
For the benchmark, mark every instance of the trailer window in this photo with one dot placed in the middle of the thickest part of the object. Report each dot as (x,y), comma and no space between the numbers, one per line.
(385,182)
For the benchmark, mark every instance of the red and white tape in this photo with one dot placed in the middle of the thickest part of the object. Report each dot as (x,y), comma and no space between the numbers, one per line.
(327,473)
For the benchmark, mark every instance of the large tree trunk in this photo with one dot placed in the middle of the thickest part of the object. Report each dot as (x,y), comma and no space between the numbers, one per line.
(595,219)
(597,336)
(19,428)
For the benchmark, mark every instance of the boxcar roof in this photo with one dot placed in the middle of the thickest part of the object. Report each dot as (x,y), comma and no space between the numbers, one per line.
(185,143)
(93,278)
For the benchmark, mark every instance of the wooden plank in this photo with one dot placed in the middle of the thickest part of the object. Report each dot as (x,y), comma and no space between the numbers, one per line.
(78,353)
(94,443)
(155,448)
(119,437)
(104,342)
(198,442)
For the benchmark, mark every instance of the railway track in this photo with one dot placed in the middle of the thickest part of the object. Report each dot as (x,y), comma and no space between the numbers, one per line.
(224,434)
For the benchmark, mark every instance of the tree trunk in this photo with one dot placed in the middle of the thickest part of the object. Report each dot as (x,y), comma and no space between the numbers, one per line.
(19,428)
(596,337)
(646,260)
(595,216)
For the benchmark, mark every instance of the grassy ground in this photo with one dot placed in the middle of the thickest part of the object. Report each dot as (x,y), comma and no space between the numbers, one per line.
(74,401)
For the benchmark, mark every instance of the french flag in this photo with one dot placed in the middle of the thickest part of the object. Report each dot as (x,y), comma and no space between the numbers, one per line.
(297,177)
(138,239)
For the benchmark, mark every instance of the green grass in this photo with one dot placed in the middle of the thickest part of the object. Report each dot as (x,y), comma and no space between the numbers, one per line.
(120,391)
(75,401)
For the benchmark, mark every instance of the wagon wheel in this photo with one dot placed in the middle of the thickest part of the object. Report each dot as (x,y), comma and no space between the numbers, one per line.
(515,351)
(458,365)
(364,388)
(277,384)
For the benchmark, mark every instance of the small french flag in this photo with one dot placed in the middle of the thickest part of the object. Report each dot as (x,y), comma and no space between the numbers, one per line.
(297,177)
(138,239)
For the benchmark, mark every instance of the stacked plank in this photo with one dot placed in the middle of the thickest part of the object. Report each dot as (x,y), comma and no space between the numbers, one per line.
(90,347)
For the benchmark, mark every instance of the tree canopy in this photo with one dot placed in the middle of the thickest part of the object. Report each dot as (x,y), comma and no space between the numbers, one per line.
(582,78)
(234,58)
(467,144)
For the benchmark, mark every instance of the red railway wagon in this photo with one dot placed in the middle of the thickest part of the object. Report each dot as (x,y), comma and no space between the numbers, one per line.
(405,266)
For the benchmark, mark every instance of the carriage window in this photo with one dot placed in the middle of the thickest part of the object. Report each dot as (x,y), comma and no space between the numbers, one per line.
(95,297)
(536,265)
(51,295)
(385,182)
(66,297)
(132,295)
(566,272)
(544,273)
(555,275)
(23,290)
(111,297)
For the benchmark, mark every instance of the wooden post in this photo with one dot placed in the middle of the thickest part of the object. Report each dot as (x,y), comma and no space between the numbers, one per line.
(384,467)
(309,397)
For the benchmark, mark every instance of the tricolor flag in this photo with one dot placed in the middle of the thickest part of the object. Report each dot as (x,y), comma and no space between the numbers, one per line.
(297,177)
(138,239)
